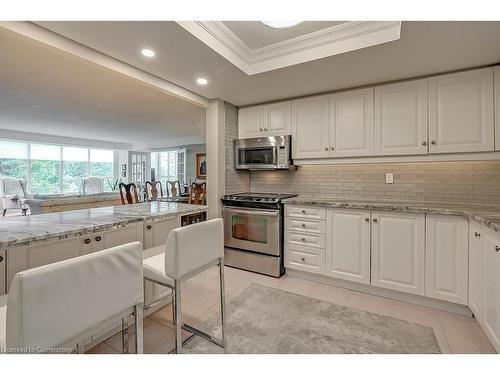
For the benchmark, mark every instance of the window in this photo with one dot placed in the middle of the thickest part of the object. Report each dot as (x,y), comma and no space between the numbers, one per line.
(50,169)
(13,159)
(169,165)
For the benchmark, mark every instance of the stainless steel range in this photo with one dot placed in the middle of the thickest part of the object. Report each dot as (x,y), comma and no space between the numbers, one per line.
(253,232)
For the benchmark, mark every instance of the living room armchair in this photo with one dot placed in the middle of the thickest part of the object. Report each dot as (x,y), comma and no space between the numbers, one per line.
(93,185)
(13,195)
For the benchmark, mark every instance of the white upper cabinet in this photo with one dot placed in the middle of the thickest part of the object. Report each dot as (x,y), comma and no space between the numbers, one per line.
(461,112)
(476,269)
(348,248)
(265,120)
(351,123)
(311,127)
(497,107)
(401,118)
(278,118)
(447,258)
(250,122)
(491,313)
(398,250)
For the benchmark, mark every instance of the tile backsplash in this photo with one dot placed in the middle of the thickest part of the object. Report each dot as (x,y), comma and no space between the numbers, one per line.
(467,182)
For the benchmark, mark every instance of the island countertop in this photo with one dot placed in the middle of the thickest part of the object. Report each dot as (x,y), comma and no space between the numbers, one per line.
(486,215)
(22,230)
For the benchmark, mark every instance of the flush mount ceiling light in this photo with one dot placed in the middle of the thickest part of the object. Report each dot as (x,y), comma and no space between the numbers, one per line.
(281,24)
(201,81)
(148,52)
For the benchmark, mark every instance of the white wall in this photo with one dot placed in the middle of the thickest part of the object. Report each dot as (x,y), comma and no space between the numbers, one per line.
(191,152)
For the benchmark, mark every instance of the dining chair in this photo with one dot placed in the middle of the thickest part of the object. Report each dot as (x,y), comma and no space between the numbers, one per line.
(128,193)
(173,188)
(152,191)
(92,185)
(13,195)
(56,307)
(198,193)
(189,251)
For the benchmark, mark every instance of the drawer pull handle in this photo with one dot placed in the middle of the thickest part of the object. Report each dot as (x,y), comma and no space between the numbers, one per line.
(149,227)
(98,238)
(303,240)
(303,225)
(303,259)
(303,211)
(477,234)
(497,248)
(87,241)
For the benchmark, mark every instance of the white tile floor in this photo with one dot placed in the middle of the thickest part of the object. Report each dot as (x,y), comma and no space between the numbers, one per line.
(455,333)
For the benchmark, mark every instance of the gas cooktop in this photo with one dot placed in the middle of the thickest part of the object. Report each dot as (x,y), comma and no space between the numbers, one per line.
(256,197)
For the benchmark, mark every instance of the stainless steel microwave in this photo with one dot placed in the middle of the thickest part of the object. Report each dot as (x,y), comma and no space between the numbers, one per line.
(263,153)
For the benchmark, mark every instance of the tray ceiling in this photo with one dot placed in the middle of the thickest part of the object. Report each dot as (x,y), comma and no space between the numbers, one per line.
(255,48)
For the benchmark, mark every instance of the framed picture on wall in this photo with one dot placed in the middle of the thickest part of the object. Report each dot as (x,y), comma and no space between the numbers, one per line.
(201,165)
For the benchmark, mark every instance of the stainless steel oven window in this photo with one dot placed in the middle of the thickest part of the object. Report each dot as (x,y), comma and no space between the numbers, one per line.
(250,228)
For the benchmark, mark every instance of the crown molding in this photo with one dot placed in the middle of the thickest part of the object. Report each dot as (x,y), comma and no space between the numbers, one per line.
(52,39)
(345,37)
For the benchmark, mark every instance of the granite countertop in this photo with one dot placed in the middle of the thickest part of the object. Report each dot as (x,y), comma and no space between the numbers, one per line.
(22,230)
(486,215)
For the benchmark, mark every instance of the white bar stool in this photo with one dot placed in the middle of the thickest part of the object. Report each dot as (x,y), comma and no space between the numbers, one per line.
(189,251)
(54,308)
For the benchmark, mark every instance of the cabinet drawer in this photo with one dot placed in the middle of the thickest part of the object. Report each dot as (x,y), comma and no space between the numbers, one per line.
(306,226)
(305,212)
(305,258)
(302,239)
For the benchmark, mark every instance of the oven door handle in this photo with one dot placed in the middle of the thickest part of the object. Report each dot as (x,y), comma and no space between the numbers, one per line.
(252,212)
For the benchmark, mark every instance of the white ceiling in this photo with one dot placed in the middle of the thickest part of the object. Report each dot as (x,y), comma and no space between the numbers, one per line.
(257,35)
(45,90)
(424,48)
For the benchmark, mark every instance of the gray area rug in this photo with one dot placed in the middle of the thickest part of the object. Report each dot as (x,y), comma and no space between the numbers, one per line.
(263,320)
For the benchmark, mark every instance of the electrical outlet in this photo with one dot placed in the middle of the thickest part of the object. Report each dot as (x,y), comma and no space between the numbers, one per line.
(389,178)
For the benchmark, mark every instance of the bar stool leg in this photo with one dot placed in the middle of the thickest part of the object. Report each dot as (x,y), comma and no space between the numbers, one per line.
(139,329)
(125,335)
(178,320)
(173,308)
(222,302)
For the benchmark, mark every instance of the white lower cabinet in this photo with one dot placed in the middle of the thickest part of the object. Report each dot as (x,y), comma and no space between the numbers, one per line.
(476,269)
(398,251)
(447,258)
(3,262)
(491,313)
(304,258)
(348,247)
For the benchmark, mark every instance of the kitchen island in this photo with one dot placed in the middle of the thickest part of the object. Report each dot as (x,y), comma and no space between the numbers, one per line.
(31,241)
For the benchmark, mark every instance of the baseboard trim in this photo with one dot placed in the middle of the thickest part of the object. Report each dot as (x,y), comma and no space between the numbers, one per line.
(381,292)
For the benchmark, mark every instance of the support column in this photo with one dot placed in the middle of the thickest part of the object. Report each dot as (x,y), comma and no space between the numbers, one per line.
(215,146)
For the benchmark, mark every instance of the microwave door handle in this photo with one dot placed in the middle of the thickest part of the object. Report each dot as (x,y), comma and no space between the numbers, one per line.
(275,156)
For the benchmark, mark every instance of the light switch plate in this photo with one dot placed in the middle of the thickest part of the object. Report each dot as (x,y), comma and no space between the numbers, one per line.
(389,178)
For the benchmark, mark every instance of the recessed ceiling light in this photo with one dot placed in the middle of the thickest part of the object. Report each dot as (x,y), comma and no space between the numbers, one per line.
(201,81)
(281,24)
(148,52)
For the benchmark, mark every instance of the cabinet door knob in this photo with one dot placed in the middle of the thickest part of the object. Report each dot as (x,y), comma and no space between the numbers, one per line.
(497,248)
(87,241)
(332,148)
(1,259)
(149,227)
(303,225)
(424,143)
(98,238)
(265,129)
(303,259)
(433,142)
(326,148)
(477,234)
(375,220)
(303,211)
(261,129)
(303,239)
(367,219)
